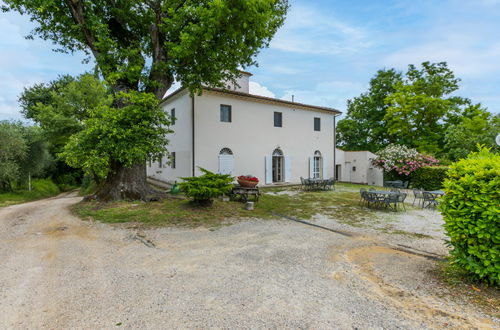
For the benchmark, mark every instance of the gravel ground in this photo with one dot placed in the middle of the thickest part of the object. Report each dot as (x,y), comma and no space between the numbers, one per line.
(59,272)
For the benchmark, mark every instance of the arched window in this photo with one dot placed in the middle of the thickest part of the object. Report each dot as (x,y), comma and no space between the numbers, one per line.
(225,151)
(226,161)
(277,152)
(317,153)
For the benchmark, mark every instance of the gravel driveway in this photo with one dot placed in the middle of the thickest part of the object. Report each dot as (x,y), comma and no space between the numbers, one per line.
(59,272)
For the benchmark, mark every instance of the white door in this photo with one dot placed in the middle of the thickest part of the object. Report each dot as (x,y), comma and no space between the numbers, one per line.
(226,164)
(348,170)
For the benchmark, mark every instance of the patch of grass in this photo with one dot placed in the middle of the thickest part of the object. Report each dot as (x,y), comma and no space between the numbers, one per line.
(169,212)
(41,188)
(463,286)
(342,205)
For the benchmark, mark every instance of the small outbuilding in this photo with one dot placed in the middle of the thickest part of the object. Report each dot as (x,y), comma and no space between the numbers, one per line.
(356,167)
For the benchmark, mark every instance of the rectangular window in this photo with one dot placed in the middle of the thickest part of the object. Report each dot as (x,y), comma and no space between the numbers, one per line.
(160,162)
(225,113)
(317,124)
(172,116)
(172,159)
(278,119)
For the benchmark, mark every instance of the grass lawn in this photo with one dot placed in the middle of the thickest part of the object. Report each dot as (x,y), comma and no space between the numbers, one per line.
(273,203)
(42,188)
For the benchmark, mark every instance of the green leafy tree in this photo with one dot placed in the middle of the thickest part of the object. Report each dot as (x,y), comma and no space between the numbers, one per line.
(61,106)
(38,158)
(420,105)
(142,46)
(364,127)
(462,138)
(113,138)
(41,93)
(204,188)
(24,153)
(13,150)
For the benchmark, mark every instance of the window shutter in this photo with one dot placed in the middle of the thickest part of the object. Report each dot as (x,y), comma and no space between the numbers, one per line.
(226,164)
(325,167)
(311,167)
(269,170)
(288,168)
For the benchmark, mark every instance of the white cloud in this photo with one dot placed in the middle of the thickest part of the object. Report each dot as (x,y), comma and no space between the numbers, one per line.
(465,58)
(311,31)
(285,70)
(258,89)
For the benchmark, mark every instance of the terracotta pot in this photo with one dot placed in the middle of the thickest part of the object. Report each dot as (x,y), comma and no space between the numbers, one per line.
(247,183)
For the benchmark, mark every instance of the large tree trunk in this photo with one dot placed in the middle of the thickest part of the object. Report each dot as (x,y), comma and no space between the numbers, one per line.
(127,183)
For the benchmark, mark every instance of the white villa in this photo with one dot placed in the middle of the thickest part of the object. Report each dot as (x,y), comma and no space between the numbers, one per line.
(232,131)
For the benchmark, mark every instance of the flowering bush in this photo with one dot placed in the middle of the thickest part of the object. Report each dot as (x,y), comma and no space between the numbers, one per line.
(402,160)
(248,178)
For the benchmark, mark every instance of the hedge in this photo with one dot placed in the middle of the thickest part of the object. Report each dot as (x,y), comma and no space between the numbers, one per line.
(471,212)
(429,177)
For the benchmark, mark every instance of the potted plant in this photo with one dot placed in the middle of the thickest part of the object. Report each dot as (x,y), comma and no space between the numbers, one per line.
(248,181)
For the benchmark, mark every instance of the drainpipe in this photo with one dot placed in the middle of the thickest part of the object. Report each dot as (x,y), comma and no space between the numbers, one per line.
(334,147)
(192,133)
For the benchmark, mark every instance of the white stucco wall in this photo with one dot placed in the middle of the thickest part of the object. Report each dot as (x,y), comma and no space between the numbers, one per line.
(180,141)
(252,136)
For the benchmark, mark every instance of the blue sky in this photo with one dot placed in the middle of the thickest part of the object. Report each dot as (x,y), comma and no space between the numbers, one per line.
(326,52)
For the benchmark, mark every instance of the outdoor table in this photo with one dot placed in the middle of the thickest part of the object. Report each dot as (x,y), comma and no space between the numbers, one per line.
(244,193)
(381,197)
(318,184)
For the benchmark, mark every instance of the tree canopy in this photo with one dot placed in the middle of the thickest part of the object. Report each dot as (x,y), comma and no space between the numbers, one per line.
(145,45)
(418,109)
(23,152)
(60,107)
(364,127)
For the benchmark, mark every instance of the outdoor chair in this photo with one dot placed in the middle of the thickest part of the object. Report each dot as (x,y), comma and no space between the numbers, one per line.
(370,198)
(303,183)
(417,194)
(391,201)
(330,184)
(362,195)
(401,199)
(429,200)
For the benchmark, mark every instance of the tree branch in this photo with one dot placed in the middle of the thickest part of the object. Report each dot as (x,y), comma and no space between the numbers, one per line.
(77,12)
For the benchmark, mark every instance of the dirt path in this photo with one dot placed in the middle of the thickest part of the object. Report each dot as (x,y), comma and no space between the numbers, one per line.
(59,272)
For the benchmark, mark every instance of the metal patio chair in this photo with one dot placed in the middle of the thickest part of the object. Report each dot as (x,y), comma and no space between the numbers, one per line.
(417,195)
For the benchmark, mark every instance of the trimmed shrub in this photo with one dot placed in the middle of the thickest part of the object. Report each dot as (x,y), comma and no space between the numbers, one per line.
(203,189)
(471,213)
(429,177)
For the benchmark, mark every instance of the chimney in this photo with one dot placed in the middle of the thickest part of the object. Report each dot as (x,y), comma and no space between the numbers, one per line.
(242,83)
